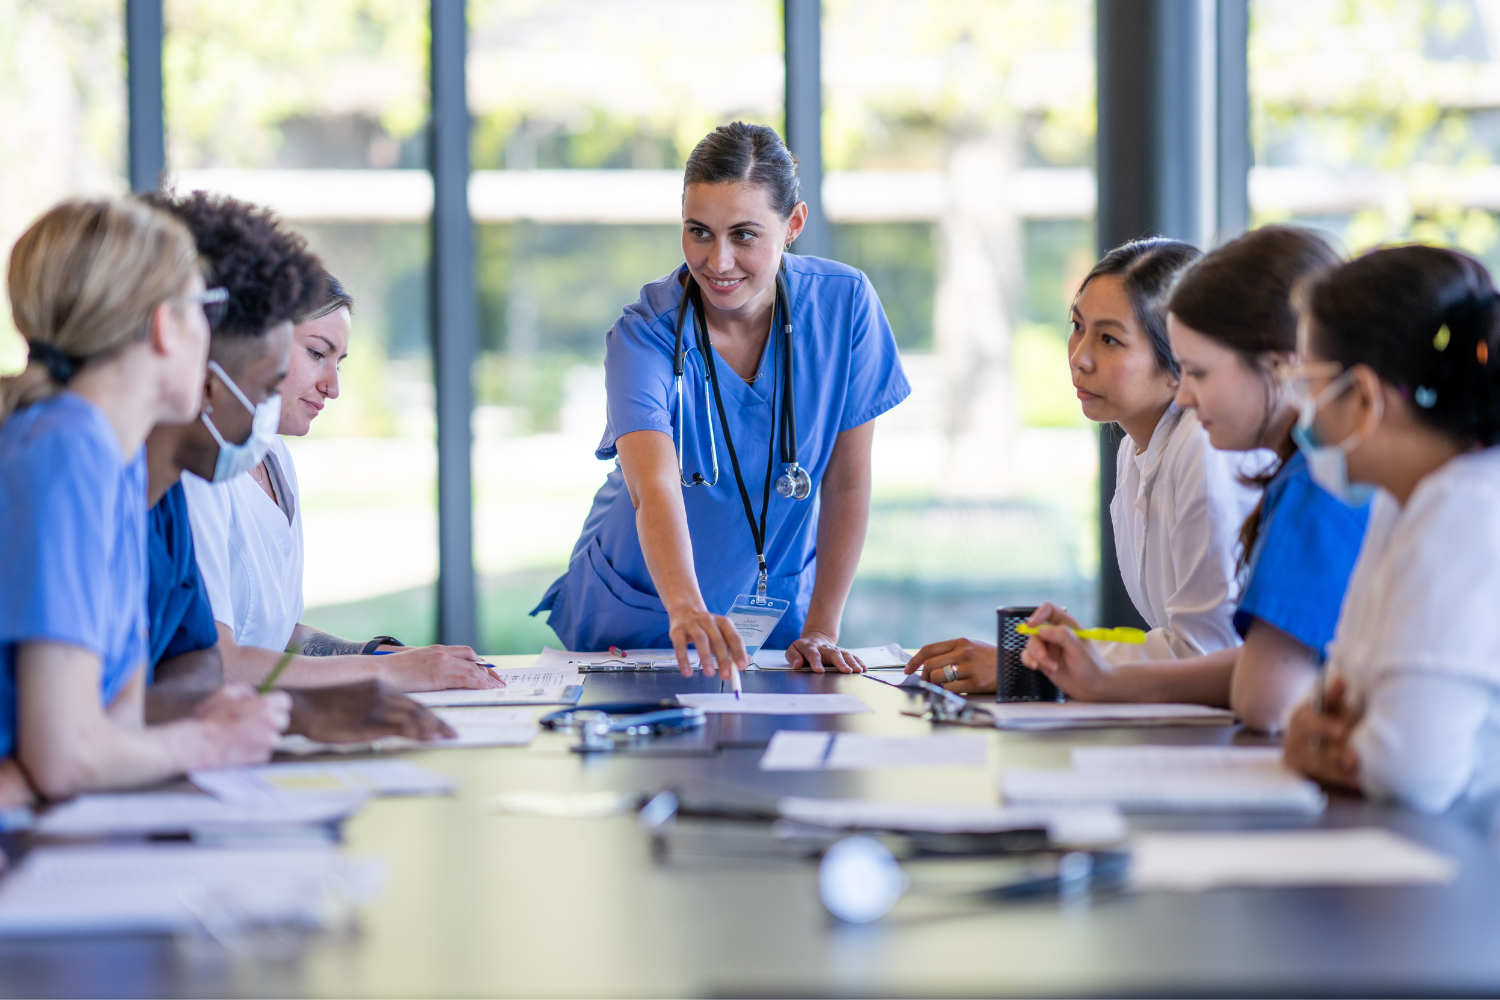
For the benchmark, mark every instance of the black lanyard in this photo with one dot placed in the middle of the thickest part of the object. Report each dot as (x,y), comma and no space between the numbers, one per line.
(706,348)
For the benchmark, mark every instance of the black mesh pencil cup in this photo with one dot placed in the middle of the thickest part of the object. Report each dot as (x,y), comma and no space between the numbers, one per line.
(1015,682)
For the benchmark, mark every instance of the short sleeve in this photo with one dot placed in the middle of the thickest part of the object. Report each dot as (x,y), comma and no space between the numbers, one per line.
(1306,548)
(197,629)
(638,372)
(209,512)
(876,380)
(54,535)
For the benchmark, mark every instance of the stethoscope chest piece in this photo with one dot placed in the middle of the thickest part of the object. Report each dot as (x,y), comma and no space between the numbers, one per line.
(795,483)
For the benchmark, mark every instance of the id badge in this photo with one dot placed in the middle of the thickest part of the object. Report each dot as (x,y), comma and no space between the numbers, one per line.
(754,617)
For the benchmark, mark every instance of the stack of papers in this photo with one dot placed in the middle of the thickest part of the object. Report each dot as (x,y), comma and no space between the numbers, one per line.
(543,685)
(776,704)
(1078,827)
(276,781)
(476,727)
(165,888)
(874,657)
(176,813)
(1193,862)
(1169,779)
(797,750)
(1095,715)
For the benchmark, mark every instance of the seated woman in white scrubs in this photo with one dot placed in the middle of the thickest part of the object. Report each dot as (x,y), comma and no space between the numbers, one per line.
(1401,390)
(246,521)
(1178,503)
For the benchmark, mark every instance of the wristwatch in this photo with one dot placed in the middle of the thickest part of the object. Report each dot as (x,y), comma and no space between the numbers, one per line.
(369,648)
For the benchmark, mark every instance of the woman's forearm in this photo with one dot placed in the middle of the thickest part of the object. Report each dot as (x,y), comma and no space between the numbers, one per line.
(68,744)
(251,665)
(1197,680)
(843,517)
(650,465)
(1273,674)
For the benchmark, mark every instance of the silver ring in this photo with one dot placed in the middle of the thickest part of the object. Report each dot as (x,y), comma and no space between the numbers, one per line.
(950,673)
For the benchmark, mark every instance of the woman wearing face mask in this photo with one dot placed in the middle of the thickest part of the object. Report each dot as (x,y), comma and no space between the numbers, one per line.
(241,492)
(1231,323)
(1178,502)
(1401,382)
(784,364)
(110,299)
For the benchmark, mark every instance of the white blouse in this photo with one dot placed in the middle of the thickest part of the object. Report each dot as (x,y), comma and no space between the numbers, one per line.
(1418,640)
(250,551)
(1177,512)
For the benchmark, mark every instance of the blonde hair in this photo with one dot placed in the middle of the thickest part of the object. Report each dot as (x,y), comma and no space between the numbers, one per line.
(83,281)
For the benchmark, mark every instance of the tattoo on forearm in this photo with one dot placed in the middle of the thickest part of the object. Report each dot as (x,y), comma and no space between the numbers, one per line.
(323,644)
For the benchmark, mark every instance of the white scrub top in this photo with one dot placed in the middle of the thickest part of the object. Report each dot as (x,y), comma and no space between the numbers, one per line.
(1177,512)
(1418,642)
(250,551)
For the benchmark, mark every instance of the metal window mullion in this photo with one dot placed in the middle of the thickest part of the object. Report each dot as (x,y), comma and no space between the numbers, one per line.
(454,322)
(803,41)
(146,140)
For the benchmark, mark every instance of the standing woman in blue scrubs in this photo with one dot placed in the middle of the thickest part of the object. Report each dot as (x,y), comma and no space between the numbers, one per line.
(693,515)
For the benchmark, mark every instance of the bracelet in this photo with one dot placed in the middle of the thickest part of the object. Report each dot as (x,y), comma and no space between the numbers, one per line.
(368,649)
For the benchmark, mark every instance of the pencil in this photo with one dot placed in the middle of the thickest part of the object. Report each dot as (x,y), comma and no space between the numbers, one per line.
(275,674)
(736,676)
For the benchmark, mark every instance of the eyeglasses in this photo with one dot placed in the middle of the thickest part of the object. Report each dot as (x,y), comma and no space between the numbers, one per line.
(215,303)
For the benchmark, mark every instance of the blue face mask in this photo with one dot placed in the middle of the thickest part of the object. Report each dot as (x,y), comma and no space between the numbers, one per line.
(265,419)
(1328,464)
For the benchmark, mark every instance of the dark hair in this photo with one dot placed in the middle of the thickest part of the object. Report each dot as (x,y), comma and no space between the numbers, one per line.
(1146,268)
(1426,320)
(271,275)
(335,297)
(746,154)
(1240,297)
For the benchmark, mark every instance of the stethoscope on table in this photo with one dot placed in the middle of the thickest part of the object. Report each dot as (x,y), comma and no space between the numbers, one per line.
(795,483)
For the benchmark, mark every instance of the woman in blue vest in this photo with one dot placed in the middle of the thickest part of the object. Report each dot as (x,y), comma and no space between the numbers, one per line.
(743,389)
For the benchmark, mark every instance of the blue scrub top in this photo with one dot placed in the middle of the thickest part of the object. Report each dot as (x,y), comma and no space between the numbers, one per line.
(177,602)
(72,544)
(1304,553)
(846,372)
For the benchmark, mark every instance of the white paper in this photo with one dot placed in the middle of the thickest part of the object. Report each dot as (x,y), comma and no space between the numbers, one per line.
(1194,790)
(154,888)
(796,750)
(169,812)
(1193,862)
(476,727)
(1093,715)
(655,659)
(548,686)
(1173,759)
(272,781)
(793,750)
(873,657)
(1098,825)
(776,704)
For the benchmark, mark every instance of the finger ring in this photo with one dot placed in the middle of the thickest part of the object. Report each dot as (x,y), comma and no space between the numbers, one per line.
(950,673)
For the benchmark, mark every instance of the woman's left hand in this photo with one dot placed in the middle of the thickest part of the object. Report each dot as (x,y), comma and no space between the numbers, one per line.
(815,649)
(1317,740)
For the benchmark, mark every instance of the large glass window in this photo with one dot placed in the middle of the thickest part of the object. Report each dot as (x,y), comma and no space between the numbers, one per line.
(317,108)
(1378,121)
(959,144)
(62,102)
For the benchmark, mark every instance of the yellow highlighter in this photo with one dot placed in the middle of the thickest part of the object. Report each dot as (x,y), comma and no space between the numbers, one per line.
(1132,635)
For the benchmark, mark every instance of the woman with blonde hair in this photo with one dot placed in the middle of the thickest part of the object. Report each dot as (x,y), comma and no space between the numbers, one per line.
(110,299)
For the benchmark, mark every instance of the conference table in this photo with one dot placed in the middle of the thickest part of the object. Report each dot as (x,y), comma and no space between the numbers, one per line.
(570,897)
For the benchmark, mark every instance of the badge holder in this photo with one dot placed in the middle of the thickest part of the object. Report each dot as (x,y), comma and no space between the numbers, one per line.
(754,616)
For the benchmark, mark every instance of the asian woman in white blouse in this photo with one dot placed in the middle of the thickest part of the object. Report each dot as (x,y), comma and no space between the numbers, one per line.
(1401,383)
(1178,503)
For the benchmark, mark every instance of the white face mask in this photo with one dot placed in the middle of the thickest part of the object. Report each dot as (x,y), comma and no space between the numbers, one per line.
(1328,465)
(265,418)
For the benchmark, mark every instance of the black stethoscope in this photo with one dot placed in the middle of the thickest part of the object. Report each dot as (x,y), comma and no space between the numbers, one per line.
(794,483)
